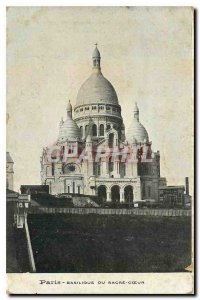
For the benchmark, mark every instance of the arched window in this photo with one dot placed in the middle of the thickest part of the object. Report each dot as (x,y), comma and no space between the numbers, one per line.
(128,194)
(94,130)
(81,129)
(111,140)
(115,193)
(97,168)
(101,130)
(102,193)
(86,130)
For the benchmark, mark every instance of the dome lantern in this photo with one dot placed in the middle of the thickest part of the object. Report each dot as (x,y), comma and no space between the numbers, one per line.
(69,109)
(136,112)
(96,58)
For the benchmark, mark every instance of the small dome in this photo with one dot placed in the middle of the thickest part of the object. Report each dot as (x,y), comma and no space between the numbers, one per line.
(136,132)
(97,89)
(69,130)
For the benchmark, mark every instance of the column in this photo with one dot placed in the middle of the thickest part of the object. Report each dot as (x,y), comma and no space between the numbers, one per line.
(104,168)
(116,169)
(121,195)
(108,195)
(133,194)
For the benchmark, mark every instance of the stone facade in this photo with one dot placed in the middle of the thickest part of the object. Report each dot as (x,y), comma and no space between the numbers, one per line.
(93,155)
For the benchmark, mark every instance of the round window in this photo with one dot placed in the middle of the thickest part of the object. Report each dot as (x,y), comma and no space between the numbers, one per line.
(71,168)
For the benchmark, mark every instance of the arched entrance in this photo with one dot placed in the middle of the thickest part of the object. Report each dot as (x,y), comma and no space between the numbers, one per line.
(128,194)
(102,195)
(115,193)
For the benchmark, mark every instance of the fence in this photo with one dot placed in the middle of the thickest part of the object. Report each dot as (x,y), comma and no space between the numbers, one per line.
(111,211)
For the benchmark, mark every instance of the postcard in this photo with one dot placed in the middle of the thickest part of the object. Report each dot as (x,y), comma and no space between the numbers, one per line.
(100,143)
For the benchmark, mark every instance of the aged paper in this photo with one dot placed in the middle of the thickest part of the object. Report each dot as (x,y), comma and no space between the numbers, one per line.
(100,142)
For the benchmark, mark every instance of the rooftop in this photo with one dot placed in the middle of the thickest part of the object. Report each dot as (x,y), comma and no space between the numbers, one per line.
(172,187)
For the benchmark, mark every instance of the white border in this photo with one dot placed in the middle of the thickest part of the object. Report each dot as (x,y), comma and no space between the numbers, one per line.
(193,3)
(3,4)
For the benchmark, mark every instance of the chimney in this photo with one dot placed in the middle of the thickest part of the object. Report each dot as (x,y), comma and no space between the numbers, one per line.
(187,186)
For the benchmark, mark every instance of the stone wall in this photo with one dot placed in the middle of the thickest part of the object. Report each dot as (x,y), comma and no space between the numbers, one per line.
(113,211)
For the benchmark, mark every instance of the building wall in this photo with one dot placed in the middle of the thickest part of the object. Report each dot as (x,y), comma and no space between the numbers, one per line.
(172,196)
(85,177)
(98,114)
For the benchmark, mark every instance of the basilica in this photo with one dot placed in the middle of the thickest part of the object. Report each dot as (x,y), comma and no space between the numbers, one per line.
(95,155)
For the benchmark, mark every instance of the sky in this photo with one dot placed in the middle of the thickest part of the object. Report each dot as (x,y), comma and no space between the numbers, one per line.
(147,55)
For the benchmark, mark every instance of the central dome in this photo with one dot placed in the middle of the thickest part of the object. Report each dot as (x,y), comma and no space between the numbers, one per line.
(96,89)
